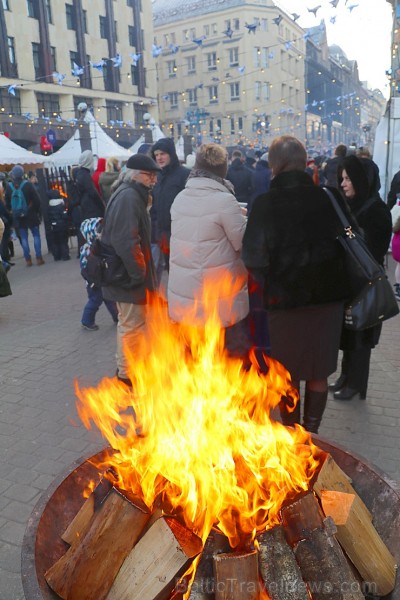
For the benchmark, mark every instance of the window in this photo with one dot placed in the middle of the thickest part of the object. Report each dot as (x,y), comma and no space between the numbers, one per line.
(114,110)
(264,24)
(185,35)
(234,57)
(37,60)
(171,68)
(236,24)
(257,56)
(32,9)
(173,99)
(135,74)
(53,54)
(232,120)
(70,16)
(191,64)
(213,94)
(5,7)
(266,90)
(257,90)
(240,123)
(206,30)
(103,27)
(192,97)
(48,11)
(87,101)
(85,27)
(235,91)
(265,57)
(212,61)
(214,29)
(11,50)
(132,36)
(116,30)
(74,58)
(48,104)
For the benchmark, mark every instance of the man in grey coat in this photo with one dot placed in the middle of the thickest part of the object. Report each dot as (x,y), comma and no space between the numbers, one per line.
(127,230)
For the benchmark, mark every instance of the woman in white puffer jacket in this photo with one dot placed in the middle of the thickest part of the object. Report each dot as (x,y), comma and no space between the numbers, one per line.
(206,240)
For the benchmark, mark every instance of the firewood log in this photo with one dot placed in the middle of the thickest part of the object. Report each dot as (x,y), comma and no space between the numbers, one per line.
(278,567)
(360,540)
(323,565)
(88,569)
(236,576)
(203,586)
(156,563)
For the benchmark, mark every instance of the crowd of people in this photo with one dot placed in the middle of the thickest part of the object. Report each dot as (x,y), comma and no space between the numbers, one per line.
(265,220)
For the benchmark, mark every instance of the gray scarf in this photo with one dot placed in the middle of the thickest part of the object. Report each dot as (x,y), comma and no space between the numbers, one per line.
(203,173)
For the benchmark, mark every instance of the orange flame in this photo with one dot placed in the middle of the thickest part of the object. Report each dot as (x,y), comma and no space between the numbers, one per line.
(196,436)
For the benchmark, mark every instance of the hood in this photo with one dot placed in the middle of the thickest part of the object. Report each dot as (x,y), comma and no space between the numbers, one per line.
(101,165)
(86,159)
(166,145)
(90,229)
(17,173)
(237,164)
(360,174)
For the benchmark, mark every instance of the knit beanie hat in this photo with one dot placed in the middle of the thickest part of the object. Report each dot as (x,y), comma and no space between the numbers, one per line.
(212,158)
(165,145)
(17,173)
(86,159)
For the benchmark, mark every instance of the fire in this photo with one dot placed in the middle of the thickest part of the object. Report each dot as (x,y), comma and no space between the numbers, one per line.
(196,438)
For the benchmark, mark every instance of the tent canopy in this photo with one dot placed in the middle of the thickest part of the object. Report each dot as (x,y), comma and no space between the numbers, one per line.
(102,146)
(11,154)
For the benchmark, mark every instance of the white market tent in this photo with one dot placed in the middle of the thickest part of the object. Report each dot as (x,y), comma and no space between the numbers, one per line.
(102,146)
(11,154)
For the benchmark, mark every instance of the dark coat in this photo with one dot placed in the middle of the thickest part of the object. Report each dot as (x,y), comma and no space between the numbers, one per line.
(90,201)
(261,180)
(32,198)
(241,178)
(290,242)
(127,230)
(330,171)
(170,181)
(394,190)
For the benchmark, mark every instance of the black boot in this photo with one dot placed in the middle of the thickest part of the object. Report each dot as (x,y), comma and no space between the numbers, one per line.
(338,384)
(289,418)
(314,406)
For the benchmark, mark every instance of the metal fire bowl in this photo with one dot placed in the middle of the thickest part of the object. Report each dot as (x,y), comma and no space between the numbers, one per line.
(43,546)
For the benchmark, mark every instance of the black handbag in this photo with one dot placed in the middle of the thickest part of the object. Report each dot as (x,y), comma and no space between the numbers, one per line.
(373,300)
(5,289)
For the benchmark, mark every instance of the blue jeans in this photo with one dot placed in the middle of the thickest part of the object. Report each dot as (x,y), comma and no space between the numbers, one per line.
(23,233)
(95,299)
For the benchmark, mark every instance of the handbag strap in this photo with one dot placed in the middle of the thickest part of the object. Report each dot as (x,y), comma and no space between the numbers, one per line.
(342,217)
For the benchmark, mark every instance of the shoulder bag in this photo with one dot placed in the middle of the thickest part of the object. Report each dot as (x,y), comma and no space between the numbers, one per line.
(373,299)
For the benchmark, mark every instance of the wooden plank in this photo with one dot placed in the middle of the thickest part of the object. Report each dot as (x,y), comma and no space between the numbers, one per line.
(323,565)
(79,526)
(360,540)
(236,576)
(278,567)
(156,563)
(88,569)
(332,478)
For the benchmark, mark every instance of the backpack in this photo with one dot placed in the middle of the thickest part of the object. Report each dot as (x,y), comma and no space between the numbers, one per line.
(105,268)
(19,205)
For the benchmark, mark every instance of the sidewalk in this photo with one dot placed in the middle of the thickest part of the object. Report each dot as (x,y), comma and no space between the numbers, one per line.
(43,350)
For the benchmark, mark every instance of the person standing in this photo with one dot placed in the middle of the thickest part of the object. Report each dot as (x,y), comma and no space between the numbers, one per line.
(290,245)
(58,221)
(332,165)
(206,239)
(170,181)
(241,177)
(108,177)
(358,180)
(89,198)
(25,221)
(127,231)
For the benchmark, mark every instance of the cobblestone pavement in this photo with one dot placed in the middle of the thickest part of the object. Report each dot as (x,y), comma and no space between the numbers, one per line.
(43,350)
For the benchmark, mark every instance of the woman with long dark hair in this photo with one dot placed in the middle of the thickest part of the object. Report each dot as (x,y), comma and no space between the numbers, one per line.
(359,183)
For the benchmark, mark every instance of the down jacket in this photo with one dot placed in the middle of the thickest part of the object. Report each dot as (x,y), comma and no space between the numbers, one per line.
(206,240)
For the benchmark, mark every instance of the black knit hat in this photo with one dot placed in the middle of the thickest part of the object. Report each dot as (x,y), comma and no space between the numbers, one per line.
(141,161)
(212,158)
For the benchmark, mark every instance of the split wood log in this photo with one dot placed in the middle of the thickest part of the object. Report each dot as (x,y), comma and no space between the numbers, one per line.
(88,569)
(157,562)
(331,477)
(80,524)
(236,576)
(278,567)
(360,540)
(323,565)
(203,586)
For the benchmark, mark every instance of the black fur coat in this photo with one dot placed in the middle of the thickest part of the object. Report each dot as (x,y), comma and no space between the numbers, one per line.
(290,243)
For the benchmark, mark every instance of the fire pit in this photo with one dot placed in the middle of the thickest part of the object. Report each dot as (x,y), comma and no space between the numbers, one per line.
(42,544)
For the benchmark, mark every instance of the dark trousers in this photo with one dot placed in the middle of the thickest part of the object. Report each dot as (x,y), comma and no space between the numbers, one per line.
(59,245)
(95,299)
(355,365)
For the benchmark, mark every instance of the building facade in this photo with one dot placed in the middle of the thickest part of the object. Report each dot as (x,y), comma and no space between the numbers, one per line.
(57,54)
(230,72)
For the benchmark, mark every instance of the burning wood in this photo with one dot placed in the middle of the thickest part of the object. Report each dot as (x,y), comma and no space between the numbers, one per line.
(323,565)
(236,576)
(88,569)
(360,540)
